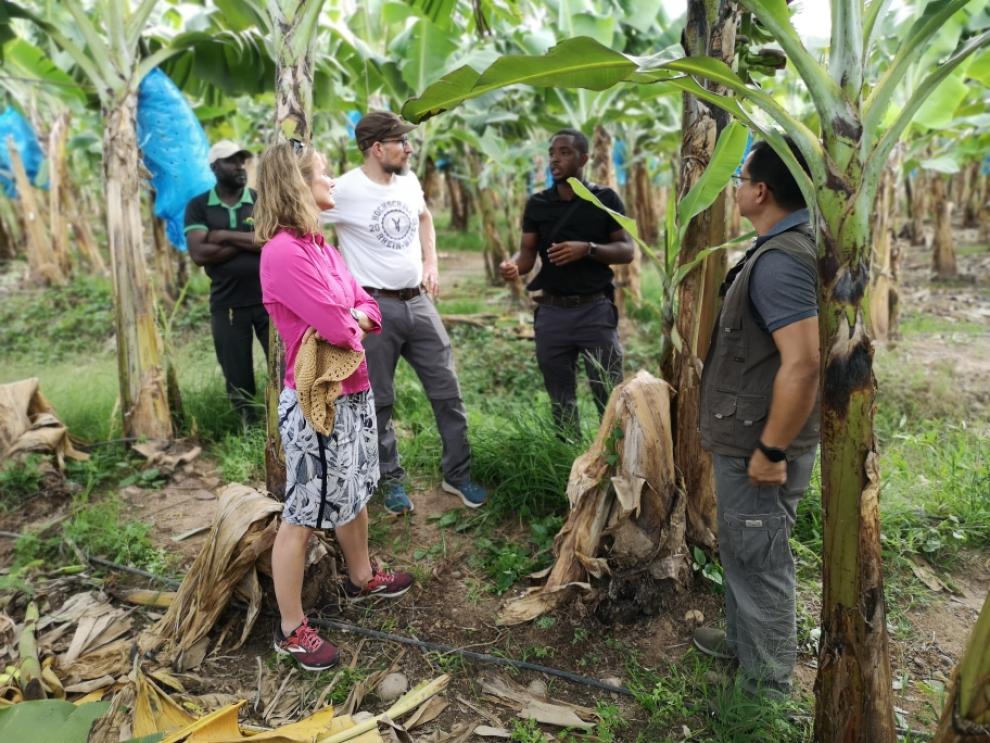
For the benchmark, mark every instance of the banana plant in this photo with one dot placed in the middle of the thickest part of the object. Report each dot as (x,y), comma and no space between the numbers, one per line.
(726,160)
(38,85)
(966,716)
(858,130)
(112,58)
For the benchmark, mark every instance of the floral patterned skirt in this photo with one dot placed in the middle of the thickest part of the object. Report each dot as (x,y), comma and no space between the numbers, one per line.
(329,479)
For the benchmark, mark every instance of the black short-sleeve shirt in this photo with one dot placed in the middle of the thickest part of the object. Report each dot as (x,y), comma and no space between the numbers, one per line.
(235,282)
(586,222)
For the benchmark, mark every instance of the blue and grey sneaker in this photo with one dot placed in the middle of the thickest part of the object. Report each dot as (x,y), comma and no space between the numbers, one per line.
(473,495)
(396,500)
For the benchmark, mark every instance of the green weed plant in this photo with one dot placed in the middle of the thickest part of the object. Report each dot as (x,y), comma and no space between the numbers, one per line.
(19,479)
(695,692)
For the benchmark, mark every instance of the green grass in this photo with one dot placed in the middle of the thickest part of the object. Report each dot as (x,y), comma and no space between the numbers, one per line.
(465,306)
(19,479)
(915,324)
(53,324)
(241,455)
(97,529)
(973,249)
(696,692)
(449,240)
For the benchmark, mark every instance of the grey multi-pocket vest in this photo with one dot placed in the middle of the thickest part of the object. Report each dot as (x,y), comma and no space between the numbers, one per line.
(737,382)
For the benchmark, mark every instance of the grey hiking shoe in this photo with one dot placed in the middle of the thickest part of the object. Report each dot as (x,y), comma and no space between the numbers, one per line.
(711,641)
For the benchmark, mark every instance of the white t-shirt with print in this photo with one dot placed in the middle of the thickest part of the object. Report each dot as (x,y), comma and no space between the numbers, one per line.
(378,229)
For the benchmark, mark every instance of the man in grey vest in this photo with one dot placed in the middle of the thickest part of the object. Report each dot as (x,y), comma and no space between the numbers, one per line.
(759,418)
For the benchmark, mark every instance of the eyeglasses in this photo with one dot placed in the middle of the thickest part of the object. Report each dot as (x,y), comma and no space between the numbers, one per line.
(404,141)
(738,179)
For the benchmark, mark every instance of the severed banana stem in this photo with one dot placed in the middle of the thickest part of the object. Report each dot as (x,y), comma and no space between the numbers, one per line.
(405,704)
(30,669)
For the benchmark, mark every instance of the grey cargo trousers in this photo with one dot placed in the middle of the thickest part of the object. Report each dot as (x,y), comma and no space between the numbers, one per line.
(413,330)
(754,525)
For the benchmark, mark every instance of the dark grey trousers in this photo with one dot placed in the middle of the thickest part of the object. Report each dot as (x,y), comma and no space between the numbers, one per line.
(563,334)
(234,330)
(754,524)
(413,330)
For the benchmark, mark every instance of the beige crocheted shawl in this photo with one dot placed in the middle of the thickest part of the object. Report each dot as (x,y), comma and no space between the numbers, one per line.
(320,369)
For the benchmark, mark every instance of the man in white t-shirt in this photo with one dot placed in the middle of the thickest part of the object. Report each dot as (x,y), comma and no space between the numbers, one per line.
(386,234)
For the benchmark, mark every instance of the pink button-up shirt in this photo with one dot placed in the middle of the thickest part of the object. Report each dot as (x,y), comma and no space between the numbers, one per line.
(305,283)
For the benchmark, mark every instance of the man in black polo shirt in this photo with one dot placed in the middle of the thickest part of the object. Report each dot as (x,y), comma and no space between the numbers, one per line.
(220,232)
(576,242)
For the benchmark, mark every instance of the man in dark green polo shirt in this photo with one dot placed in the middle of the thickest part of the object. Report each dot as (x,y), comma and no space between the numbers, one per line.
(220,233)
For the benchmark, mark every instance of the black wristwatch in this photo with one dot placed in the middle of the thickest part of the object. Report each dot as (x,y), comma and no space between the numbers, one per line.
(774,455)
(592,249)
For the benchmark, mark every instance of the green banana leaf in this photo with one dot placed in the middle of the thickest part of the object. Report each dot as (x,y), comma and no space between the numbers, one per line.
(49,719)
(27,60)
(580,62)
(725,161)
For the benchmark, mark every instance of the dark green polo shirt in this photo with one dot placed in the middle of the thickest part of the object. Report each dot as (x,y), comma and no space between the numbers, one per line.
(234,283)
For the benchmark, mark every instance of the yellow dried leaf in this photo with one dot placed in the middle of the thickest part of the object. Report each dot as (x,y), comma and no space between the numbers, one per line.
(217,727)
(167,679)
(52,683)
(144,597)
(154,710)
(221,727)
(93,696)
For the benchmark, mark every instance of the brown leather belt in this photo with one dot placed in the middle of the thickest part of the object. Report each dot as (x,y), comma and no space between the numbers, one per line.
(404,294)
(568,300)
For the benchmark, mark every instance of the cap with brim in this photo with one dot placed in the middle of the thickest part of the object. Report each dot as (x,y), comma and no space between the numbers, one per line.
(378,126)
(224,149)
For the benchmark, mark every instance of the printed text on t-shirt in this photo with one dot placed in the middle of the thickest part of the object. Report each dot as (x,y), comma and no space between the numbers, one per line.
(393,225)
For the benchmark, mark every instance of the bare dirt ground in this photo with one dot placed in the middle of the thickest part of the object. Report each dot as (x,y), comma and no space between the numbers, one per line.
(451,606)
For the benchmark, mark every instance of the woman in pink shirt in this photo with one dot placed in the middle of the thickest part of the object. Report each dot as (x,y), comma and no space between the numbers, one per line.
(329,479)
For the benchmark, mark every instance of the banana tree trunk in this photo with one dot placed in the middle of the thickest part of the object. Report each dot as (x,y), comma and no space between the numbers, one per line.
(918,202)
(644,202)
(983,207)
(42,265)
(293,98)
(295,24)
(457,198)
(977,197)
(86,244)
(627,276)
(966,716)
(602,171)
(710,30)
(432,187)
(143,396)
(165,279)
(944,255)
(57,192)
(883,279)
(8,238)
(496,249)
(853,688)
(967,201)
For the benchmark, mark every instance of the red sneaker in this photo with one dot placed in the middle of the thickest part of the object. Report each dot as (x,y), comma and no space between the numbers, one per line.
(385,583)
(310,650)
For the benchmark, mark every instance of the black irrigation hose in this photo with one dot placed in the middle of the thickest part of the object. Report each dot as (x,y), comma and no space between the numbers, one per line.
(480,657)
(389,637)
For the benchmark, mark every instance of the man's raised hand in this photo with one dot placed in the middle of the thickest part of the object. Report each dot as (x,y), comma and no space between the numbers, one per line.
(509,270)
